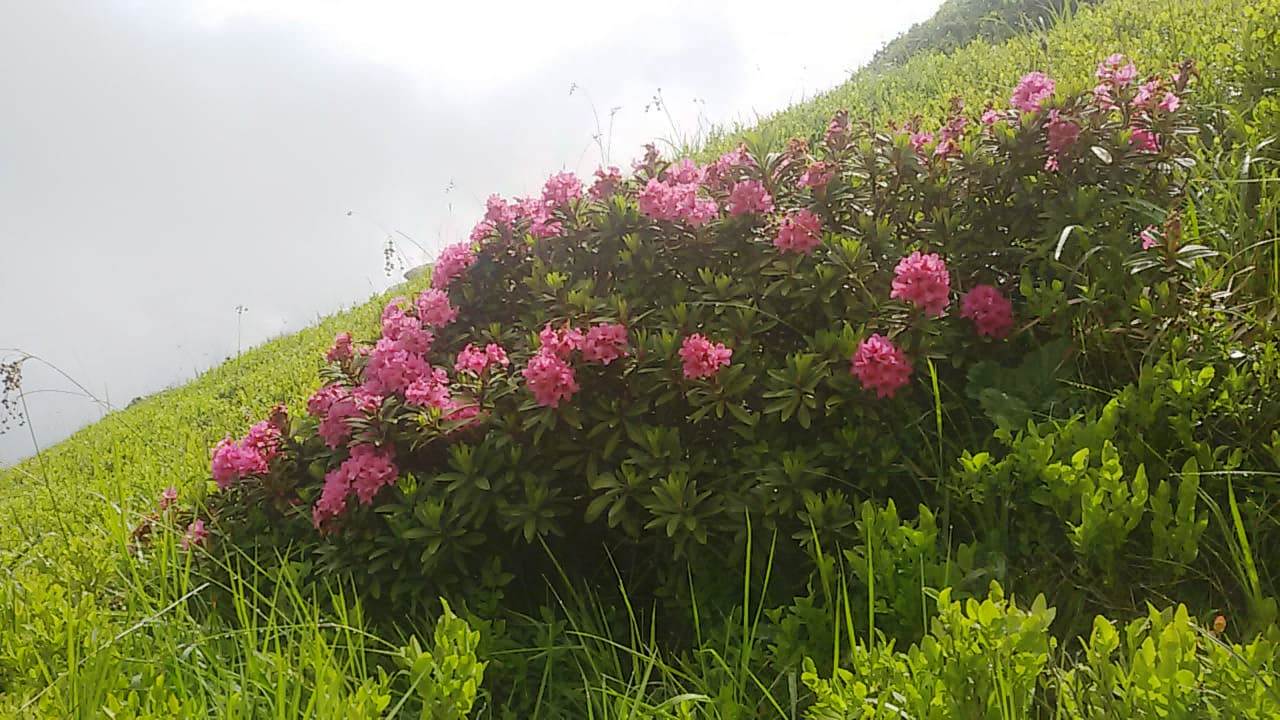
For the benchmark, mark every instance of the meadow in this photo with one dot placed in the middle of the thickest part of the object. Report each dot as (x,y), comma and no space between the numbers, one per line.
(966,404)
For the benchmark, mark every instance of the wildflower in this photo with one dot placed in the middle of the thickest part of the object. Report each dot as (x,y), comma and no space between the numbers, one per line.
(817,175)
(341,349)
(665,201)
(333,497)
(1146,95)
(233,461)
(837,135)
(1062,134)
(990,311)
(605,343)
(550,379)
(800,232)
(368,470)
(1170,102)
(702,358)
(749,196)
(1150,237)
(560,343)
(727,168)
(196,534)
(1116,70)
(321,400)
(684,172)
(1032,92)
(434,309)
(990,116)
(168,497)
(264,439)
(451,263)
(499,212)
(919,140)
(1145,140)
(430,391)
(922,280)
(407,330)
(334,428)
(880,366)
(606,184)
(560,189)
(496,354)
(392,367)
(477,360)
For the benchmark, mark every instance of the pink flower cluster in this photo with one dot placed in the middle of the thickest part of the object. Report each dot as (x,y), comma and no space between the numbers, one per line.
(476,360)
(365,472)
(561,189)
(451,263)
(605,343)
(431,390)
(405,329)
(335,405)
(1150,237)
(727,169)
(923,281)
(561,343)
(817,175)
(196,534)
(749,197)
(673,201)
(550,378)
(1062,134)
(341,349)
(990,311)
(251,455)
(608,180)
(799,232)
(880,366)
(1032,92)
(434,308)
(702,358)
(392,367)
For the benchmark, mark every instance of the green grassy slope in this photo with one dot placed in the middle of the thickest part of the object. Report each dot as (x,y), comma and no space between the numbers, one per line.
(1156,34)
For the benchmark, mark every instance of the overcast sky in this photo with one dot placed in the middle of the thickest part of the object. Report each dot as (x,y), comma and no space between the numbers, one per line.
(165,161)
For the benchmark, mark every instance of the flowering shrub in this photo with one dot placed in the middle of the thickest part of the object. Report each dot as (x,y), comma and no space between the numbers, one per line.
(642,365)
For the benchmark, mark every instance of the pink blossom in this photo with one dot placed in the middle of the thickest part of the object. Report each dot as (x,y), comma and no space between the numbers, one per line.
(664,201)
(1170,102)
(1062,134)
(1150,237)
(550,379)
(499,212)
(451,263)
(727,168)
(430,391)
(196,534)
(1032,92)
(235,460)
(990,116)
(333,497)
(560,343)
(497,355)
(920,139)
(817,175)
(1145,140)
(605,343)
(800,232)
(1146,95)
(321,400)
(391,368)
(749,196)
(168,498)
(335,429)
(341,349)
(1103,98)
(434,309)
(990,311)
(464,414)
(606,184)
(1117,71)
(482,231)
(407,330)
(880,366)
(922,280)
(476,360)
(560,189)
(264,439)
(702,358)
(684,172)
(837,135)
(366,471)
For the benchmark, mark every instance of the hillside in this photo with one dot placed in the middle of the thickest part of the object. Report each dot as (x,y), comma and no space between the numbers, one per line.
(777,464)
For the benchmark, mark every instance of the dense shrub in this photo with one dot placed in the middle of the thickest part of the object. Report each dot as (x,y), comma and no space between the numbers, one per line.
(635,372)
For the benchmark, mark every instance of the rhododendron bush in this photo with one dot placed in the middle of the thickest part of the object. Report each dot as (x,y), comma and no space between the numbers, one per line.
(635,368)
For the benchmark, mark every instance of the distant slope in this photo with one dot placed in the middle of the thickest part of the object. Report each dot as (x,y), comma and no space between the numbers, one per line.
(1156,33)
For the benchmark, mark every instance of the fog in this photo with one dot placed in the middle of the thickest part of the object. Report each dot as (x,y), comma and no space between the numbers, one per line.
(179,180)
